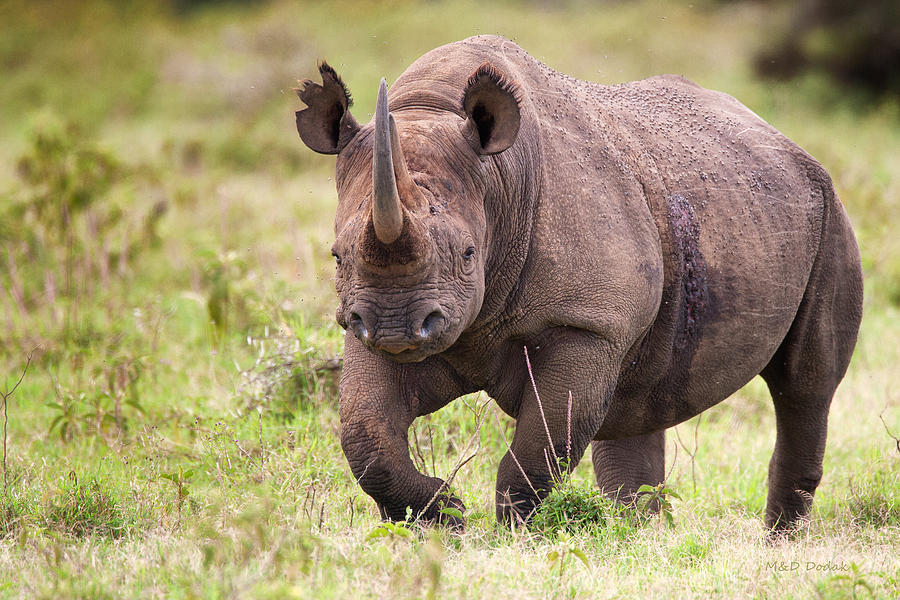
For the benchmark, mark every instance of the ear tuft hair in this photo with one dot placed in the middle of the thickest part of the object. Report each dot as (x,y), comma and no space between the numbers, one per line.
(330,78)
(326,125)
(488,72)
(329,74)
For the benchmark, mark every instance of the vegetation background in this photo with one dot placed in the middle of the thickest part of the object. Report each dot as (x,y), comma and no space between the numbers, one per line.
(167,343)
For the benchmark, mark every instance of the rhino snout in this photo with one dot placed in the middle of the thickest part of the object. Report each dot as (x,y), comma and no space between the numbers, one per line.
(396,332)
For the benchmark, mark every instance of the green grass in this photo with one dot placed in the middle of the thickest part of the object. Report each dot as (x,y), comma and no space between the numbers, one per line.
(176,433)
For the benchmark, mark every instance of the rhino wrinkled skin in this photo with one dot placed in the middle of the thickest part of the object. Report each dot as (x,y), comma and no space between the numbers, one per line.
(654,245)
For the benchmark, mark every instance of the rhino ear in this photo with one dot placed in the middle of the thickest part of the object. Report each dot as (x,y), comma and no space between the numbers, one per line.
(326,125)
(491,103)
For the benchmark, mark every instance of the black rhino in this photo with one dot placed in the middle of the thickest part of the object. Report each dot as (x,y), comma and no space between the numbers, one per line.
(654,245)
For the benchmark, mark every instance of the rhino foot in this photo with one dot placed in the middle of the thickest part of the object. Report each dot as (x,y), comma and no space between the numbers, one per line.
(447,510)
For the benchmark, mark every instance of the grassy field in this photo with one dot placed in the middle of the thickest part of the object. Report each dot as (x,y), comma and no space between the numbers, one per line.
(167,304)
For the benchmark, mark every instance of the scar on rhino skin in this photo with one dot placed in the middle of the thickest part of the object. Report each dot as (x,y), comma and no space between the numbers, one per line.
(686,234)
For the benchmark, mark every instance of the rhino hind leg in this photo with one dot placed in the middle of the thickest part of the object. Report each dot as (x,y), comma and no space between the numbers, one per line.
(795,469)
(806,370)
(624,465)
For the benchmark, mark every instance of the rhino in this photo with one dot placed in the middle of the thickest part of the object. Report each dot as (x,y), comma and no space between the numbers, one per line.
(652,246)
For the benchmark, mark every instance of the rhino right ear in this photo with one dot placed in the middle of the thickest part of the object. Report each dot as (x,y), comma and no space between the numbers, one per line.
(491,102)
(326,125)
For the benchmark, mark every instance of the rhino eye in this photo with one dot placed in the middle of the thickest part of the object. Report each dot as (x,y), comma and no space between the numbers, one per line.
(469,253)
(337,258)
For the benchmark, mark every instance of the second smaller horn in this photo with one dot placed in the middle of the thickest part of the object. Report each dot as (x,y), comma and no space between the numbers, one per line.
(387,212)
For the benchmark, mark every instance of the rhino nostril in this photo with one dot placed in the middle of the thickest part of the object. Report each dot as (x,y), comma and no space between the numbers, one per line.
(358,327)
(431,324)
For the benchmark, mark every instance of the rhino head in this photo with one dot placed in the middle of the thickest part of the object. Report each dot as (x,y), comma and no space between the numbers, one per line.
(411,235)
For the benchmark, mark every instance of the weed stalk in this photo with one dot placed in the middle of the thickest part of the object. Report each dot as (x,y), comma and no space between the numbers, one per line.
(7,394)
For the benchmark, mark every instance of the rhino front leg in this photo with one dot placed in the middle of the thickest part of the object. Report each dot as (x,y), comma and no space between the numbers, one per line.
(379,458)
(580,363)
(622,466)
(379,401)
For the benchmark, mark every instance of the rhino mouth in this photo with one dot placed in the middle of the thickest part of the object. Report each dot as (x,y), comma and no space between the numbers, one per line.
(411,337)
(405,352)
(409,355)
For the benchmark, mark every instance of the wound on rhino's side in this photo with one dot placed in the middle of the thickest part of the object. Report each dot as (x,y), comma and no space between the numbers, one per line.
(686,234)
(654,245)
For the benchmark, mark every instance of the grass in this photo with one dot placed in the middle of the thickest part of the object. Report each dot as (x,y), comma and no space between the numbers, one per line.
(176,432)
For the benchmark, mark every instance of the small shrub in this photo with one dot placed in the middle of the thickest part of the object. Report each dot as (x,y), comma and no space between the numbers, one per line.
(82,509)
(102,411)
(656,499)
(565,552)
(294,370)
(577,507)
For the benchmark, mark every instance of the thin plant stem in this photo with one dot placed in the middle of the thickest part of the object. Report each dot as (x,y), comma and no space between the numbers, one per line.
(6,396)
(474,438)
(540,405)
(513,455)
(690,453)
(569,431)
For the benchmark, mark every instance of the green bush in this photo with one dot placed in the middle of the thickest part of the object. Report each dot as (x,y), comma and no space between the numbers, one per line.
(580,507)
(857,43)
(68,230)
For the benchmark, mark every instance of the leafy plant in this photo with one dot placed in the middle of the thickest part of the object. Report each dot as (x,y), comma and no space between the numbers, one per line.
(655,498)
(70,417)
(390,529)
(97,411)
(181,479)
(564,552)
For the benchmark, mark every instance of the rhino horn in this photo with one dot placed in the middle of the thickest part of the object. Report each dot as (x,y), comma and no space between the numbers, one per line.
(410,194)
(387,211)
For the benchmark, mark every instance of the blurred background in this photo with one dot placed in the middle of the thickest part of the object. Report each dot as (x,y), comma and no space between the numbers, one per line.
(164,234)
(148,148)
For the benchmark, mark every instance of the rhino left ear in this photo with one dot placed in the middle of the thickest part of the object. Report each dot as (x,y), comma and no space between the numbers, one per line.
(491,103)
(326,126)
